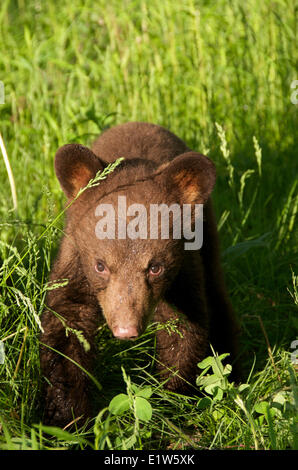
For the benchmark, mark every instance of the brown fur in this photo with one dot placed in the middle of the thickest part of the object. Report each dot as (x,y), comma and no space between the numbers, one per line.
(158,168)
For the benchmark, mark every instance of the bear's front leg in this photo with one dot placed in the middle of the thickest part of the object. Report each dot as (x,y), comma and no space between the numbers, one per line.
(180,351)
(66,352)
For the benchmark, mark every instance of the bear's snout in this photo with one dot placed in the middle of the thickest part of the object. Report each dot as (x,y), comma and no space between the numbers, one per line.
(126,307)
(128,332)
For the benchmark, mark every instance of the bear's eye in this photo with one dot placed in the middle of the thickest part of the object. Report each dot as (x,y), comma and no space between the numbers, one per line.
(155,269)
(100,267)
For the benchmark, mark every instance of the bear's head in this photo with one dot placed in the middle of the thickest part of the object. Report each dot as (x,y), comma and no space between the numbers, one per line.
(128,231)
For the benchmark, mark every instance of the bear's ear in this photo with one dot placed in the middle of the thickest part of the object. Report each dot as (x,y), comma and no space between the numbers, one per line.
(191,177)
(75,165)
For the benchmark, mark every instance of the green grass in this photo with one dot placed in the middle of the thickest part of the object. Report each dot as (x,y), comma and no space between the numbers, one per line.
(219,75)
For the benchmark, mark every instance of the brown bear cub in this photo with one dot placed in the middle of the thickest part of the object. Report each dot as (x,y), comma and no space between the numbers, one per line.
(129,281)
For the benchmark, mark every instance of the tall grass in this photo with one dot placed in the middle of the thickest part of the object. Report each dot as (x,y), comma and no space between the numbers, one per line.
(219,75)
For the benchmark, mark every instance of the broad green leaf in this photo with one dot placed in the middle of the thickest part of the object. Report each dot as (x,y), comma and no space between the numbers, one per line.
(243,387)
(210,379)
(261,407)
(130,442)
(227,370)
(144,392)
(223,356)
(143,409)
(119,404)
(125,444)
(207,362)
(280,397)
(217,414)
(214,389)
(203,403)
(218,395)
(217,367)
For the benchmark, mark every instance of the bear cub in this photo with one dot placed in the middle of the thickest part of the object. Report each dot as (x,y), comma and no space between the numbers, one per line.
(128,281)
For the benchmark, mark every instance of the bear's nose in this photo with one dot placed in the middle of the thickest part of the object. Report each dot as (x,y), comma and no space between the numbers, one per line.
(128,332)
